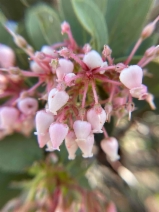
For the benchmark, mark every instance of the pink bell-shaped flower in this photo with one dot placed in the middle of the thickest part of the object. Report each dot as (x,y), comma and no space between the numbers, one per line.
(93,59)
(43,120)
(43,139)
(131,77)
(65,67)
(48,50)
(96,119)
(110,147)
(86,146)
(56,100)
(8,117)
(58,133)
(69,79)
(28,105)
(139,92)
(36,68)
(82,129)
(7,56)
(71,145)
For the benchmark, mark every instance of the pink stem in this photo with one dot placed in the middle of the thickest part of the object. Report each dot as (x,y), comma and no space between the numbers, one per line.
(112,93)
(84,94)
(104,69)
(104,79)
(58,45)
(110,60)
(29,74)
(71,39)
(105,132)
(142,60)
(79,61)
(35,86)
(133,51)
(94,92)
(147,61)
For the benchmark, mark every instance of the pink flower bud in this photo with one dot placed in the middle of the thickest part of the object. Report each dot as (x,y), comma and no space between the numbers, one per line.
(111,207)
(58,133)
(65,67)
(43,139)
(56,100)
(131,77)
(7,56)
(36,68)
(71,145)
(82,129)
(106,51)
(86,146)
(69,79)
(87,48)
(139,92)
(96,119)
(148,30)
(110,147)
(93,59)
(43,121)
(28,105)
(8,116)
(65,27)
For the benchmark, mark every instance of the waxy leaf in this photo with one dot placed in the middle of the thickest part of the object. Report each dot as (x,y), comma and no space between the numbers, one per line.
(125,20)
(93,21)
(43,25)
(18,152)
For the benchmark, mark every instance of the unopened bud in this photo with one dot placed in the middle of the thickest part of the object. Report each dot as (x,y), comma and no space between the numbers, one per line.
(20,41)
(87,48)
(64,52)
(65,27)
(148,30)
(150,51)
(106,51)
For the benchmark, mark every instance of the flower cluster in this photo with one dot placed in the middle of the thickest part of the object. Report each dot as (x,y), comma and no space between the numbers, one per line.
(73,107)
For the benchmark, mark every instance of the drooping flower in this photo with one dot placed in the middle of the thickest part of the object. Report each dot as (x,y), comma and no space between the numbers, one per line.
(96,119)
(56,100)
(82,129)
(131,77)
(7,56)
(110,147)
(28,105)
(86,146)
(93,59)
(65,67)
(43,121)
(71,145)
(8,116)
(58,132)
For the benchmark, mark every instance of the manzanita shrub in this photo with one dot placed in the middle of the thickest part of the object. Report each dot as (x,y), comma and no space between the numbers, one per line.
(71,72)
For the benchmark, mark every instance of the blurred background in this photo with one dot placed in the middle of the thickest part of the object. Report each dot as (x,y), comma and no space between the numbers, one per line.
(133,182)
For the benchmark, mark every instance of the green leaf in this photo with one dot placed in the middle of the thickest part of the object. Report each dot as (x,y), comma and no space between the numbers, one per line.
(92,20)
(102,5)
(43,25)
(67,13)
(125,20)
(18,152)
(7,192)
